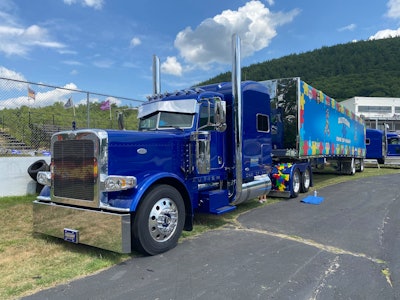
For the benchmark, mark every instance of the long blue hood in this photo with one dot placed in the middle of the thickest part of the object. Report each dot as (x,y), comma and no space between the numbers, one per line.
(141,152)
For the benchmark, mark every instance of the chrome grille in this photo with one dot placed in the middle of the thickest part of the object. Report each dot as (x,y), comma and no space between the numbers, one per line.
(74,165)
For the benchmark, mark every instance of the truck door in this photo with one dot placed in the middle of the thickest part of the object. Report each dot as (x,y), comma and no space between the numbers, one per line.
(217,137)
(394,146)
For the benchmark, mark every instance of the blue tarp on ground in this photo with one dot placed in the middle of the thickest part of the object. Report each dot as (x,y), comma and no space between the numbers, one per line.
(312,200)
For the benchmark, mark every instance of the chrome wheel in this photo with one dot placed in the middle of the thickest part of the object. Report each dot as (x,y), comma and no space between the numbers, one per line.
(305,181)
(296,181)
(159,220)
(163,220)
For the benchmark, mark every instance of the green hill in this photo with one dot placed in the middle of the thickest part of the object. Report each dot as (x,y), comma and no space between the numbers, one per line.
(365,68)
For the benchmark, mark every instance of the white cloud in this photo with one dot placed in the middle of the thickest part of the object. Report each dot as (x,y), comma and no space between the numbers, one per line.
(114,100)
(211,40)
(19,41)
(386,33)
(72,62)
(6,85)
(135,42)
(96,4)
(349,27)
(394,13)
(104,64)
(393,9)
(66,51)
(171,66)
(7,73)
(42,98)
(129,64)
(95,99)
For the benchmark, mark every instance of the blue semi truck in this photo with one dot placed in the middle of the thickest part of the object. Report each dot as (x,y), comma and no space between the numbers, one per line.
(376,145)
(204,149)
(381,144)
(393,144)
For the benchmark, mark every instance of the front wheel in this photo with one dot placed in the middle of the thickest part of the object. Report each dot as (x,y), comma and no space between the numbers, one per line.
(159,221)
(381,161)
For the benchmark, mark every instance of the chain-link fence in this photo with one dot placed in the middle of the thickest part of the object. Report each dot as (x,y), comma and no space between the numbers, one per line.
(31,112)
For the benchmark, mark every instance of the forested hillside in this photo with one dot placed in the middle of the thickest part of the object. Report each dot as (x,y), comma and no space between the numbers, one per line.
(365,68)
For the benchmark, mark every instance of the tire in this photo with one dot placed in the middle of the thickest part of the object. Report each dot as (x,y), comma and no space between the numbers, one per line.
(305,181)
(381,161)
(348,167)
(296,183)
(40,165)
(361,167)
(352,167)
(159,221)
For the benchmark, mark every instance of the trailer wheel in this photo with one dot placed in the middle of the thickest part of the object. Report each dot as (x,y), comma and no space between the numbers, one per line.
(352,167)
(296,183)
(361,166)
(305,181)
(158,223)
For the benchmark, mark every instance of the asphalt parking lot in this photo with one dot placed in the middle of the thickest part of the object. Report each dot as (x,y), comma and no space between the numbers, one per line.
(344,248)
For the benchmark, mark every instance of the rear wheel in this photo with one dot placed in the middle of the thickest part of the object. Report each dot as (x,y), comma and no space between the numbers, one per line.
(296,182)
(347,167)
(159,221)
(352,167)
(361,166)
(305,181)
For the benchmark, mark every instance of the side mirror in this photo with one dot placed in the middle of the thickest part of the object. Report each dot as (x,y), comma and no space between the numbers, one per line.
(220,115)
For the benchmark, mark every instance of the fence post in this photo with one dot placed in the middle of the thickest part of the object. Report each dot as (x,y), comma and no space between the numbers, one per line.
(88,109)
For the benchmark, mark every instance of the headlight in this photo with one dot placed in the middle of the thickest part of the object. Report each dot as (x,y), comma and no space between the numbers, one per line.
(118,183)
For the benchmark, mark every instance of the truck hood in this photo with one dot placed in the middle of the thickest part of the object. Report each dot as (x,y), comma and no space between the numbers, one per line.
(141,152)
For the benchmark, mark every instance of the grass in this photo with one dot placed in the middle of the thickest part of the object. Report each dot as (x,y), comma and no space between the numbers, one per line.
(323,180)
(30,262)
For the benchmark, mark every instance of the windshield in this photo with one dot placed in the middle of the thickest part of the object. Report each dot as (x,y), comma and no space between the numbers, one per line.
(163,119)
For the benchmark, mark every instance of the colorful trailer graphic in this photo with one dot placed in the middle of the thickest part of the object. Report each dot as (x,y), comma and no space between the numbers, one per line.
(311,123)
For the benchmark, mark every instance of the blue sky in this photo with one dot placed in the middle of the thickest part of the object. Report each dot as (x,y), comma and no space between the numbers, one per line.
(106,46)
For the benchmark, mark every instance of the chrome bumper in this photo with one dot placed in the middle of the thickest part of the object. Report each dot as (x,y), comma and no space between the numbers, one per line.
(110,231)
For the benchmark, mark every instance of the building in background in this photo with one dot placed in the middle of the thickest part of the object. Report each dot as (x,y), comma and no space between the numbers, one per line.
(376,111)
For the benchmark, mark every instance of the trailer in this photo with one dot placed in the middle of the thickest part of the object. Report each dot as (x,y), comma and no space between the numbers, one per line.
(309,125)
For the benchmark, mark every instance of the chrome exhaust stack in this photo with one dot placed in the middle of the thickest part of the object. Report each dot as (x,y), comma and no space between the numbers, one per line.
(237,112)
(261,184)
(156,75)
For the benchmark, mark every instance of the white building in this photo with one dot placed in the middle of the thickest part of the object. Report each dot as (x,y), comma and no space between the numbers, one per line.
(376,111)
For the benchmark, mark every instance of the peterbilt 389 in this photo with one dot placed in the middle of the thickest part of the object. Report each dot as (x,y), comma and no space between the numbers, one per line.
(204,149)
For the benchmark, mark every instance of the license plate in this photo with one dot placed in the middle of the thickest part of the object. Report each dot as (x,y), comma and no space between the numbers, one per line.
(71,235)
